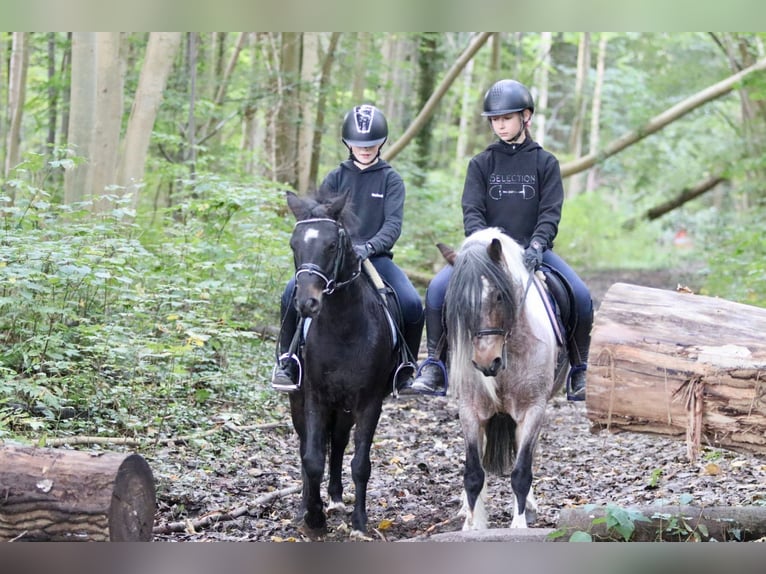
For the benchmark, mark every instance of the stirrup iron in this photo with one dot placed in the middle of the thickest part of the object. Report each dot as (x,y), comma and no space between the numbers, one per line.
(283,360)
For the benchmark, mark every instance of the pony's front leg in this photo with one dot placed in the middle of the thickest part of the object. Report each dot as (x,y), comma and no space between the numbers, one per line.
(338,442)
(313,463)
(366,423)
(527,432)
(474,490)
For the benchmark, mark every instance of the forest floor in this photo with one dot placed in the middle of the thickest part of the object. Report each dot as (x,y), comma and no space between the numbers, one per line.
(246,488)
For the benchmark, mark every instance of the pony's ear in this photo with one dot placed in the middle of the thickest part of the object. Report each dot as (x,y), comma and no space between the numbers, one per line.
(335,207)
(298,206)
(447,252)
(495,251)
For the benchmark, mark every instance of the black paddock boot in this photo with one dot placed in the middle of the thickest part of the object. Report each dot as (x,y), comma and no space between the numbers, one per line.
(432,374)
(405,373)
(287,375)
(579,347)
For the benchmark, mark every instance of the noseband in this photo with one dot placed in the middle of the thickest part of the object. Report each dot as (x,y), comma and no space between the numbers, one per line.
(330,280)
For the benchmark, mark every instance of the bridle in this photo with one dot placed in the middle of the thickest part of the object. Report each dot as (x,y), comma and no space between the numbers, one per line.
(330,280)
(504,333)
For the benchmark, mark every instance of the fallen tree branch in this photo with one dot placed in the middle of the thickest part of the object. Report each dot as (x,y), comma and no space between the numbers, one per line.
(133,441)
(216,516)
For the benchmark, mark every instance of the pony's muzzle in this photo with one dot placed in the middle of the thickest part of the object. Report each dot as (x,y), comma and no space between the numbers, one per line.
(489,352)
(491,370)
(309,307)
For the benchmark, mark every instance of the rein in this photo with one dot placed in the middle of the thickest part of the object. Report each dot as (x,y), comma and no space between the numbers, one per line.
(331,282)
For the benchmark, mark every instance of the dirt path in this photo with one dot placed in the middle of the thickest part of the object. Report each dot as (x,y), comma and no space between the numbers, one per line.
(417,469)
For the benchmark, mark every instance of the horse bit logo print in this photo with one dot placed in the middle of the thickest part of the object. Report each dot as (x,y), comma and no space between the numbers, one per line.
(501,186)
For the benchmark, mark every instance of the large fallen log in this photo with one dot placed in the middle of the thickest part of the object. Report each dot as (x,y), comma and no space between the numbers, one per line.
(666,523)
(681,365)
(65,495)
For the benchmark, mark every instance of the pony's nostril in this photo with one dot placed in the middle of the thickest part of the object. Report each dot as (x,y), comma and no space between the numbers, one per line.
(310,307)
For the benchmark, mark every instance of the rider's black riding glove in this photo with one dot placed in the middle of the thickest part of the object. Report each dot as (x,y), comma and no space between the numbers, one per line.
(533,255)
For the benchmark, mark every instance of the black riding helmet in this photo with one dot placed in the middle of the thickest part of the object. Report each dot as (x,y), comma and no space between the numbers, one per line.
(364,126)
(507,97)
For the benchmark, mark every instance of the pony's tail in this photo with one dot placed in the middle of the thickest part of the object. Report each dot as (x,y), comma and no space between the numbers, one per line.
(499,452)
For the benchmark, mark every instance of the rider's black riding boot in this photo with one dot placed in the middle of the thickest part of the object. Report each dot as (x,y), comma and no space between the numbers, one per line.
(432,374)
(579,347)
(285,376)
(405,375)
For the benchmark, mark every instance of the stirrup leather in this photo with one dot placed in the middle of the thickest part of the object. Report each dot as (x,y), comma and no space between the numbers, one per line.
(281,362)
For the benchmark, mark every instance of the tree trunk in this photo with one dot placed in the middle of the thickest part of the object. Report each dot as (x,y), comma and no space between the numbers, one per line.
(575,184)
(595,114)
(541,82)
(17,82)
(672,524)
(319,121)
(108,119)
(160,54)
(63,495)
(83,101)
(288,112)
(310,77)
(680,365)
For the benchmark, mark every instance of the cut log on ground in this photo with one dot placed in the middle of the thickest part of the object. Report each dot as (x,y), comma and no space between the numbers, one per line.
(669,523)
(64,495)
(681,365)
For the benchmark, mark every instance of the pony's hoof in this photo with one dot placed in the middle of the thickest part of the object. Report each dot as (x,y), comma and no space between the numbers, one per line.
(359,535)
(313,534)
(337,506)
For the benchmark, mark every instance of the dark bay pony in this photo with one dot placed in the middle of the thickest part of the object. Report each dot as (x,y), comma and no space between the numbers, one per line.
(348,358)
(505,364)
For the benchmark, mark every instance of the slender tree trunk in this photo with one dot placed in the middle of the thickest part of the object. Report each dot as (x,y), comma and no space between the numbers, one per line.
(161,51)
(541,82)
(17,81)
(310,77)
(359,78)
(324,82)
(466,111)
(288,115)
(575,184)
(65,71)
(191,122)
(53,92)
(595,114)
(428,65)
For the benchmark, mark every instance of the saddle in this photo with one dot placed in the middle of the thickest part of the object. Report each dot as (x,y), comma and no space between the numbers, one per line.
(407,363)
(561,298)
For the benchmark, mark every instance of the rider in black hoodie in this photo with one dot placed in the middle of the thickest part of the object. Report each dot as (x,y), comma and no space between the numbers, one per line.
(514,185)
(376,194)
